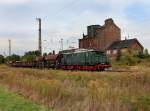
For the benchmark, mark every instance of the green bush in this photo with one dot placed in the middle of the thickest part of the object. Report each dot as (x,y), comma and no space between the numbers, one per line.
(144,55)
(128,59)
(13,57)
(28,58)
(2,59)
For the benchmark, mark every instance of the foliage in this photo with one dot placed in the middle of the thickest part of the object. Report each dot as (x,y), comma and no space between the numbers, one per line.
(127,60)
(45,54)
(30,56)
(2,59)
(144,55)
(36,53)
(130,60)
(118,55)
(13,57)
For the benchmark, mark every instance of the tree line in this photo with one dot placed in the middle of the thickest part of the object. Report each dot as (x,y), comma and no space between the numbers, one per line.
(28,56)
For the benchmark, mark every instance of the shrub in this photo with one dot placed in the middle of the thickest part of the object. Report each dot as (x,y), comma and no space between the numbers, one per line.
(13,57)
(129,59)
(2,59)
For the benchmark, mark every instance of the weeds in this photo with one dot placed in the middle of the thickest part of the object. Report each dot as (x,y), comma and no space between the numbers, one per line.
(82,91)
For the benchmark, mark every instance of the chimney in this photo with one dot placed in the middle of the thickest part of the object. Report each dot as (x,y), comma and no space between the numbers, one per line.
(109,21)
(53,52)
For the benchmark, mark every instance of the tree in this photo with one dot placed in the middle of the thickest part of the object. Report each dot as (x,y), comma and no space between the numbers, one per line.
(129,59)
(30,56)
(119,55)
(2,59)
(146,53)
(36,53)
(13,57)
(45,54)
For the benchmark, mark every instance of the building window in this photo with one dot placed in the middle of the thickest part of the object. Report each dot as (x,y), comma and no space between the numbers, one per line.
(108,52)
(114,51)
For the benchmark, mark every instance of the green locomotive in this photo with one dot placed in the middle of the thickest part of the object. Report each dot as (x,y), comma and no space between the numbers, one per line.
(84,60)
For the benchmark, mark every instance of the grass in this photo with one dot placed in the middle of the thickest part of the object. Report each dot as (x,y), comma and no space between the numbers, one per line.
(82,91)
(12,102)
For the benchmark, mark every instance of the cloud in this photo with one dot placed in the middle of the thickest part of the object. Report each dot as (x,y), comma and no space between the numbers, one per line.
(18,21)
(14,1)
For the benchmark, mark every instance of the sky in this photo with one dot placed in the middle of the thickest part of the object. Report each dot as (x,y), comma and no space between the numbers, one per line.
(68,19)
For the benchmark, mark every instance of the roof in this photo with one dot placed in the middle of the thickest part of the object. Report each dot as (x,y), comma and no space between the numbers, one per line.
(77,51)
(66,51)
(124,44)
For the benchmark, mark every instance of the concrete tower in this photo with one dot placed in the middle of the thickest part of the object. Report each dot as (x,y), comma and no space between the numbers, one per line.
(40,37)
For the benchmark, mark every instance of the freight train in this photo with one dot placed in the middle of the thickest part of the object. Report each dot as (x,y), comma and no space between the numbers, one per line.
(78,59)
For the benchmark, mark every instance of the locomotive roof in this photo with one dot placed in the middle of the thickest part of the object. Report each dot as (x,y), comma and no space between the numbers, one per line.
(80,51)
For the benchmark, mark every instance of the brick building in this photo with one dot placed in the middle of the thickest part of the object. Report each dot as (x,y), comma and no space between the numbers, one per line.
(107,38)
(125,46)
(100,37)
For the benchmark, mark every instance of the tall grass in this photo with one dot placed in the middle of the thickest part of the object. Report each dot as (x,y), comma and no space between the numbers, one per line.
(82,91)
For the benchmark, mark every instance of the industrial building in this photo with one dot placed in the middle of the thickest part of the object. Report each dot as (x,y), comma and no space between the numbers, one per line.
(107,38)
(100,37)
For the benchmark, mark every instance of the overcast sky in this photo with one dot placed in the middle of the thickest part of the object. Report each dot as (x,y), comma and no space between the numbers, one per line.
(68,19)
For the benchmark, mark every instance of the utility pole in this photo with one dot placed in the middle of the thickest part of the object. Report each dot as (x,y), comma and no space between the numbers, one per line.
(9,42)
(61,44)
(67,44)
(73,44)
(40,36)
(128,36)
